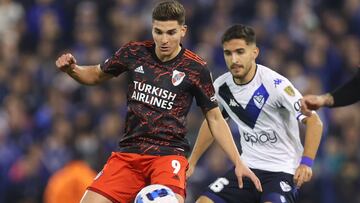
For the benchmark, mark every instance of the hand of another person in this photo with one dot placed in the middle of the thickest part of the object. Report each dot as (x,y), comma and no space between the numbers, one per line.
(311,102)
(302,174)
(190,170)
(66,62)
(243,171)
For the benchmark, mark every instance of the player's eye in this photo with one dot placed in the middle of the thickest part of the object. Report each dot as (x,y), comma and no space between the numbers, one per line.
(158,32)
(240,51)
(171,32)
(227,53)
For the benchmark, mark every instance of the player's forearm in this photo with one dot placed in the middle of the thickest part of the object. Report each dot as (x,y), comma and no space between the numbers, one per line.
(327,100)
(88,75)
(203,141)
(222,134)
(313,135)
(348,93)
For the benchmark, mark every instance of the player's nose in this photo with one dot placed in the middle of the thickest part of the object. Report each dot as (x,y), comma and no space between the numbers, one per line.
(234,59)
(164,39)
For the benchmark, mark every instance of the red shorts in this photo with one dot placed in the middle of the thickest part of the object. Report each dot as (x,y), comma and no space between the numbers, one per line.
(125,174)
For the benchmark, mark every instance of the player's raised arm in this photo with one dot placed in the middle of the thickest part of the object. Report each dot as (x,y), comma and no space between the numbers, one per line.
(88,75)
(222,134)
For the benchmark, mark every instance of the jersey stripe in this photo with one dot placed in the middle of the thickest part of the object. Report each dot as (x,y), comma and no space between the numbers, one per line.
(194,57)
(250,114)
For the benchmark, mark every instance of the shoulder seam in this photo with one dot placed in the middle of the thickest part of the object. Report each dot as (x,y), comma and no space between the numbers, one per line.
(189,54)
(147,43)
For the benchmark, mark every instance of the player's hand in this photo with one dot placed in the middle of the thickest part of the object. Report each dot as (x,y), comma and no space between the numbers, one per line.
(243,171)
(302,175)
(66,62)
(190,170)
(311,102)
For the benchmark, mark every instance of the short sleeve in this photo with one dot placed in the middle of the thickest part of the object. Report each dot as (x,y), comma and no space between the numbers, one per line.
(289,97)
(204,92)
(118,62)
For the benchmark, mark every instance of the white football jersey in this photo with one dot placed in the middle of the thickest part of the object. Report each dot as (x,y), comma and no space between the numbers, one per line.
(267,111)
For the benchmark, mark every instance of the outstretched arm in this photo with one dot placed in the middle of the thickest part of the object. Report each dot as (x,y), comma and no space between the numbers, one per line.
(348,93)
(344,95)
(88,75)
(313,134)
(221,132)
(314,102)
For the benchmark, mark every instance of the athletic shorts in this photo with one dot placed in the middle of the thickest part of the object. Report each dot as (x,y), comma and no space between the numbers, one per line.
(278,187)
(125,174)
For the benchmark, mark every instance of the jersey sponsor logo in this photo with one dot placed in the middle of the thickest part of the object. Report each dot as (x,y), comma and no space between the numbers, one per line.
(285,186)
(297,105)
(139,69)
(153,95)
(213,98)
(177,77)
(290,91)
(261,137)
(250,114)
(233,103)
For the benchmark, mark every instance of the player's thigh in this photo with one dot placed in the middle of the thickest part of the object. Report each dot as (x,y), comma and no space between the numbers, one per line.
(280,188)
(169,171)
(93,197)
(119,181)
(225,189)
(180,198)
(204,199)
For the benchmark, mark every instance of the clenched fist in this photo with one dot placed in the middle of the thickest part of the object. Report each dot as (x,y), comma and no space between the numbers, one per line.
(66,62)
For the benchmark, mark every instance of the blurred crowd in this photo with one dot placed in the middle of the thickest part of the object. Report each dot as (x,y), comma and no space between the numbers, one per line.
(48,120)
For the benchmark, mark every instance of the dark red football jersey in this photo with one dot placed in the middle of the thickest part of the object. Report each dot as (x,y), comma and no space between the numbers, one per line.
(159,97)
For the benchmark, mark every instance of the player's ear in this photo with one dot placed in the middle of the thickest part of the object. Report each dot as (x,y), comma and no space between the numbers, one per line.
(183,30)
(256,51)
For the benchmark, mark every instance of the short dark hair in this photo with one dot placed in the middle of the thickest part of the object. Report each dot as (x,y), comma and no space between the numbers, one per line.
(239,31)
(169,10)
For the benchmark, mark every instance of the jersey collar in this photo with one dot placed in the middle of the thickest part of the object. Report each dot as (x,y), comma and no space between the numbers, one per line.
(256,70)
(153,54)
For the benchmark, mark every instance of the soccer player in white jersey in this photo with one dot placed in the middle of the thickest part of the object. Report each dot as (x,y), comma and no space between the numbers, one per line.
(266,108)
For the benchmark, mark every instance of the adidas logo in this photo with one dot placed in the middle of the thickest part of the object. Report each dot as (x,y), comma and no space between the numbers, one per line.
(233,103)
(139,69)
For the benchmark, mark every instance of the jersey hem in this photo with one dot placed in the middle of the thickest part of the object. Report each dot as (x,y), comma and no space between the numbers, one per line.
(213,197)
(155,153)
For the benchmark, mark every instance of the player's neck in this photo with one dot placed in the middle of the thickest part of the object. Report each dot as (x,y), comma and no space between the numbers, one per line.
(248,77)
(165,58)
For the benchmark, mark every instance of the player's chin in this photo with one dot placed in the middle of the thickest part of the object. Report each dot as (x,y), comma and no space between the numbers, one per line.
(166,53)
(237,74)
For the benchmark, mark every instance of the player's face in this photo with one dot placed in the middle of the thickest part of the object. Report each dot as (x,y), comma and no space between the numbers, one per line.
(167,36)
(240,59)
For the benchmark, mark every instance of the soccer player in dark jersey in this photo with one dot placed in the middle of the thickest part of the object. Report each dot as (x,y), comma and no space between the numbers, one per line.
(163,78)
(346,94)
